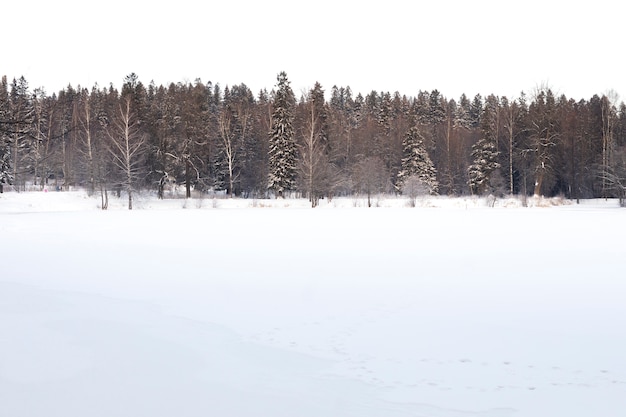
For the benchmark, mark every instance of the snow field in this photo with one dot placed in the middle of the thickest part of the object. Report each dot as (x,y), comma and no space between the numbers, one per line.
(233,310)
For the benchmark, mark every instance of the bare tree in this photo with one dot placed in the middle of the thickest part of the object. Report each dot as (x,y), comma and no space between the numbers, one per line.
(85,121)
(370,177)
(313,164)
(230,143)
(126,145)
(614,177)
(609,115)
(414,187)
(511,112)
(544,134)
(39,123)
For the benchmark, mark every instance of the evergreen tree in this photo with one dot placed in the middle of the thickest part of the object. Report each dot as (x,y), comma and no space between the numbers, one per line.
(484,152)
(21,121)
(384,112)
(475,111)
(6,175)
(485,163)
(282,144)
(421,107)
(316,96)
(416,162)
(436,108)
(462,115)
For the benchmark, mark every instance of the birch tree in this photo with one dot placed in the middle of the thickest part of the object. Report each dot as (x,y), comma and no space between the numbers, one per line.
(314,167)
(86,125)
(510,110)
(234,125)
(126,146)
(609,116)
(229,147)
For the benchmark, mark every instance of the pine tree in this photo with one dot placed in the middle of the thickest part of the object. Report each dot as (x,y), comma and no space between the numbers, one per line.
(416,162)
(282,144)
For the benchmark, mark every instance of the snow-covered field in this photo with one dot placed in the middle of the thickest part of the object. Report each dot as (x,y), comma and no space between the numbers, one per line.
(235,309)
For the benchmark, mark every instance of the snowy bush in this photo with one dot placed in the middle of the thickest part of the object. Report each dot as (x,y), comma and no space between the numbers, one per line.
(413,187)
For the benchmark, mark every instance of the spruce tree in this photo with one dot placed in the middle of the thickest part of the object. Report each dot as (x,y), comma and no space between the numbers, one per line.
(462,115)
(485,152)
(282,144)
(416,162)
(5,166)
(21,135)
(485,163)
(476,109)
(6,176)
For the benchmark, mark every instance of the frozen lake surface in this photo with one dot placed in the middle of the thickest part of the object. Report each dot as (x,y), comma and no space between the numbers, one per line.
(235,309)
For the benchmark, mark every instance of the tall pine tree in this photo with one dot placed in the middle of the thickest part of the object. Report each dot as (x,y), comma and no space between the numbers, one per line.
(282,144)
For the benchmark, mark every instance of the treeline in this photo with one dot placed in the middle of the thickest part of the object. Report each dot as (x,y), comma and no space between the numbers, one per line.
(322,144)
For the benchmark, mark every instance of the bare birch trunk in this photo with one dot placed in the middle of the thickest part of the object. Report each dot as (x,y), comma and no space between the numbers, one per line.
(127,144)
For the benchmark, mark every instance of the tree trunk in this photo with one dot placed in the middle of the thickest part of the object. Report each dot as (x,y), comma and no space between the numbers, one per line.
(187,178)
(90,161)
(538,183)
(104,197)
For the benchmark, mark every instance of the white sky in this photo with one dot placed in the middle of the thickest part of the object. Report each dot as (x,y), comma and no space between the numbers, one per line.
(455,46)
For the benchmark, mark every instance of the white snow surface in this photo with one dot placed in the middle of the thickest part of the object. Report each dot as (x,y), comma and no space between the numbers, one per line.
(242,308)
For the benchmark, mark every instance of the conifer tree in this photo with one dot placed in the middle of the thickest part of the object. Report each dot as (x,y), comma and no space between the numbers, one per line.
(5,166)
(6,176)
(485,163)
(282,144)
(416,162)
(475,111)
(485,152)
(462,115)
(21,137)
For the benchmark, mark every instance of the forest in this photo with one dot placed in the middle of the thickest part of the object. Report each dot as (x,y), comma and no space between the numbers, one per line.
(212,139)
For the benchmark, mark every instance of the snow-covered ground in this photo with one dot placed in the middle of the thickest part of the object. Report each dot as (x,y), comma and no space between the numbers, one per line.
(231,308)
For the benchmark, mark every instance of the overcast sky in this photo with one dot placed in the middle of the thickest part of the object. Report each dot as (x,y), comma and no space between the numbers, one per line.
(455,46)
